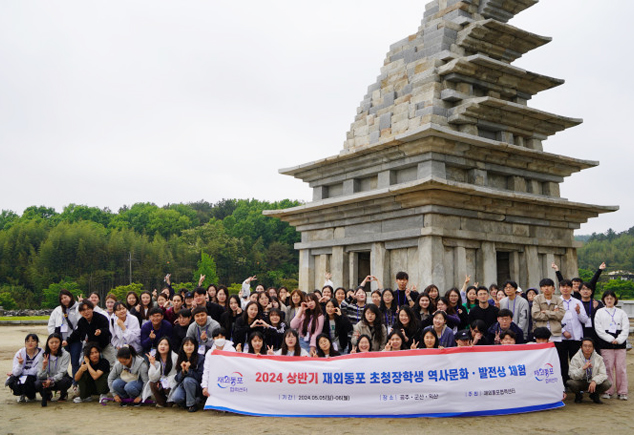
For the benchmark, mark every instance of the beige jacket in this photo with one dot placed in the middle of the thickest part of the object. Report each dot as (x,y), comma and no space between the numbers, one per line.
(543,313)
(576,371)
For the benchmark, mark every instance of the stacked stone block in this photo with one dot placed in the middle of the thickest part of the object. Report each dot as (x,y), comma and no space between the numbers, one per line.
(443,172)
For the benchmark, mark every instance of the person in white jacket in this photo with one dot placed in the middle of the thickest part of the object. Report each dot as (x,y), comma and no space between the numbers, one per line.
(587,373)
(52,374)
(63,321)
(125,329)
(26,363)
(161,373)
(575,317)
(612,327)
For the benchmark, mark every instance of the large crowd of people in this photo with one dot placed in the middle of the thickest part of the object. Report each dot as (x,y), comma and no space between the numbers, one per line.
(153,347)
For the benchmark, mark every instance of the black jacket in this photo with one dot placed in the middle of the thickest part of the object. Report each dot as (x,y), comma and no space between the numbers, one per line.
(86,331)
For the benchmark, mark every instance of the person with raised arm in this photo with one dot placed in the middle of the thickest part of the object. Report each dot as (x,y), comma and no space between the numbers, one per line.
(92,376)
(154,330)
(577,282)
(52,374)
(572,327)
(309,322)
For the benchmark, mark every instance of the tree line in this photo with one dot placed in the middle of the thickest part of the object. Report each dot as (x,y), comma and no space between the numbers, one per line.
(617,250)
(91,249)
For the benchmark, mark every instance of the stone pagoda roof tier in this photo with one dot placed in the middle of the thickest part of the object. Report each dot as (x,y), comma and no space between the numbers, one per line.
(493,75)
(503,115)
(499,40)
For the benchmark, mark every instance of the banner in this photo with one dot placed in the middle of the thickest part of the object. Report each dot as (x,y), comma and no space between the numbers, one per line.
(473,381)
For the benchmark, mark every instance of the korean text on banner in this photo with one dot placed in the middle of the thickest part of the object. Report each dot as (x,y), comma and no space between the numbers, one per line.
(480,380)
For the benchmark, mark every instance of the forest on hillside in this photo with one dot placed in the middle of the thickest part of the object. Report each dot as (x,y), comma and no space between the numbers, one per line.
(617,250)
(90,249)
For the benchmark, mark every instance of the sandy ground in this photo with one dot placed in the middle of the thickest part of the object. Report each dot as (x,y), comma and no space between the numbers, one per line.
(614,417)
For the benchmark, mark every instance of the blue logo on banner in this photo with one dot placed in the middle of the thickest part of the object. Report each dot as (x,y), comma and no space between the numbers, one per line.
(234,381)
(546,374)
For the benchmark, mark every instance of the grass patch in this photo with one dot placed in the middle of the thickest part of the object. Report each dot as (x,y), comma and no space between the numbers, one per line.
(2,318)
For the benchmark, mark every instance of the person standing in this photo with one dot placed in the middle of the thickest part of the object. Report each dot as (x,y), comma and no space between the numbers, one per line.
(572,326)
(517,305)
(612,327)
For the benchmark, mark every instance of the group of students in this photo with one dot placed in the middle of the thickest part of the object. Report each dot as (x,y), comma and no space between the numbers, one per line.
(156,346)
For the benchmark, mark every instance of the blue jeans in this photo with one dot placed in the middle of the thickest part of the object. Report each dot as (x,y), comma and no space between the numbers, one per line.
(187,392)
(304,344)
(127,390)
(75,354)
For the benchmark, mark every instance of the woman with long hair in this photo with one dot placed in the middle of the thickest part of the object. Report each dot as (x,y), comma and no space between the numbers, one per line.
(388,308)
(229,317)
(424,309)
(337,326)
(53,371)
(63,321)
(294,303)
(372,326)
(161,373)
(325,349)
(248,322)
(189,373)
(290,345)
(409,327)
(309,322)
(92,376)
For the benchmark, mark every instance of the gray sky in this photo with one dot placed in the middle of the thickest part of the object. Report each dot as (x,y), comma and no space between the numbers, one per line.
(112,103)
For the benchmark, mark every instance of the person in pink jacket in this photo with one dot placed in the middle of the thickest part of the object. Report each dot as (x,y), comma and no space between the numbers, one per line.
(309,321)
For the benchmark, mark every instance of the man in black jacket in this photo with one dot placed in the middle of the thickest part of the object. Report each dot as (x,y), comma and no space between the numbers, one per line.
(93,327)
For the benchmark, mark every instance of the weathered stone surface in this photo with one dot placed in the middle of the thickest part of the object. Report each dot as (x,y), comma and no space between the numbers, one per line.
(443,166)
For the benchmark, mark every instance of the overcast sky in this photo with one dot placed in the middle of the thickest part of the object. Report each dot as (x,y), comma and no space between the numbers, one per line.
(112,103)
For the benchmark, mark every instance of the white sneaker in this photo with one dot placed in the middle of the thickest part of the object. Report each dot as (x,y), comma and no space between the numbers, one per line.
(623,396)
(79,399)
(22,399)
(606,396)
(102,398)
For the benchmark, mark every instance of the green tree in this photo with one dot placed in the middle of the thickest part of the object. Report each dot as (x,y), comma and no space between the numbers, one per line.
(207,267)
(121,291)
(624,289)
(50,295)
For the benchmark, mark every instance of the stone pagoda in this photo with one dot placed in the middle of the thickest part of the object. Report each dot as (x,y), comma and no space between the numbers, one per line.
(443,172)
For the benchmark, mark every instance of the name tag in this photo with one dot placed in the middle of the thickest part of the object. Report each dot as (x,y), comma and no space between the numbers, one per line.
(22,379)
(64,327)
(201,350)
(165,383)
(612,328)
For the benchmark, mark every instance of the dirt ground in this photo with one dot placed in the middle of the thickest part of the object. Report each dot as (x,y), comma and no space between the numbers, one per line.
(614,417)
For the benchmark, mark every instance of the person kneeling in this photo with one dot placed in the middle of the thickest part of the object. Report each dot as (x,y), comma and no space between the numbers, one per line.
(128,376)
(587,373)
(92,376)
(189,373)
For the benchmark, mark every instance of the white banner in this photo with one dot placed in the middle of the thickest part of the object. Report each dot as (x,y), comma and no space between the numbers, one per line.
(480,380)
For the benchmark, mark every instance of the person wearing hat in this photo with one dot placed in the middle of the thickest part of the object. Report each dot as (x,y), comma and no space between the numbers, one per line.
(189,300)
(463,338)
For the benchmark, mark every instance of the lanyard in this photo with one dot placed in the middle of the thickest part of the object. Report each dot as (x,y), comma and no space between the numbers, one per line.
(200,333)
(612,315)
(48,368)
